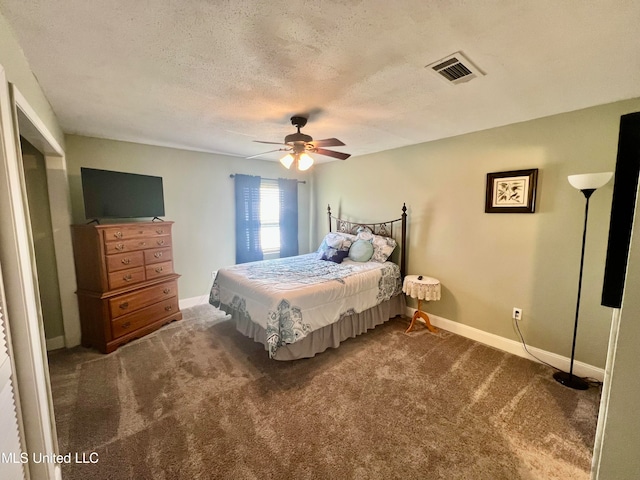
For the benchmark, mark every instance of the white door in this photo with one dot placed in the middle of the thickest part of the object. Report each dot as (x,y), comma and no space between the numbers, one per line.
(11,459)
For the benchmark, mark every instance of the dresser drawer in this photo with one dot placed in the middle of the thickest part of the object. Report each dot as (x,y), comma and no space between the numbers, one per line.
(133,231)
(156,255)
(126,277)
(122,261)
(158,270)
(160,241)
(130,302)
(132,322)
(136,244)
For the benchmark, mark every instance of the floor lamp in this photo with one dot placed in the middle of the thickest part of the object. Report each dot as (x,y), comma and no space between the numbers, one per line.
(587,184)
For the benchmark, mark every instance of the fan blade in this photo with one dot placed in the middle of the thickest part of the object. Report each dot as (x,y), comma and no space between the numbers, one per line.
(270,143)
(331,153)
(327,142)
(270,151)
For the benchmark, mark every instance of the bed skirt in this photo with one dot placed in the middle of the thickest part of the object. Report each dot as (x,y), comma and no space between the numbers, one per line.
(329,336)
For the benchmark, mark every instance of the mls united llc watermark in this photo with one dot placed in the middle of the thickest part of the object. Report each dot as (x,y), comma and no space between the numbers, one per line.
(36,457)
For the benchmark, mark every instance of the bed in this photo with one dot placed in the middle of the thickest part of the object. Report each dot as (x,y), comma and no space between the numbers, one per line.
(300,306)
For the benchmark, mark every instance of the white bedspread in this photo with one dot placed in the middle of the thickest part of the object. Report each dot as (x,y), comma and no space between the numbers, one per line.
(291,297)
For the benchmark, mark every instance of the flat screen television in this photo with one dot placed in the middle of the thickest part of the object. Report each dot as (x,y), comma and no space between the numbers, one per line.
(110,194)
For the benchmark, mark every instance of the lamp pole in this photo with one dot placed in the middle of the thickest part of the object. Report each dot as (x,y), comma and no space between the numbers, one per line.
(568,379)
(587,183)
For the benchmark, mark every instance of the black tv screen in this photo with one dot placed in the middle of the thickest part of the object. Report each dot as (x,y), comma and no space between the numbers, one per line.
(121,195)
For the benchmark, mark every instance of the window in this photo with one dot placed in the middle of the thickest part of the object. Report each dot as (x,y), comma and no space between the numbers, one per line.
(266,218)
(270,217)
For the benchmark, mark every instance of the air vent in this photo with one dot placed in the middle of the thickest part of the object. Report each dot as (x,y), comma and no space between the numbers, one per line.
(455,68)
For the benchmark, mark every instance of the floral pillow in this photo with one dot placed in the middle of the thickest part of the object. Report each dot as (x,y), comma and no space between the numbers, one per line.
(335,247)
(382,246)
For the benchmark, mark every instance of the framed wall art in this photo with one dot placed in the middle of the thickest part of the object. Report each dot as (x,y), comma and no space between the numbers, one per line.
(511,192)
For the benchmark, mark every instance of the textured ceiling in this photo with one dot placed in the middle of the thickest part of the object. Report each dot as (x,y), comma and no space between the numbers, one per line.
(215,75)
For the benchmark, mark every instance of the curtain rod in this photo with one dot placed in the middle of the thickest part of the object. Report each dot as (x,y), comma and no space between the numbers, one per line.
(273,179)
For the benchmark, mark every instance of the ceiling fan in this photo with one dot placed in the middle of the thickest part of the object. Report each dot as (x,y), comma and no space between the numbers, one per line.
(298,145)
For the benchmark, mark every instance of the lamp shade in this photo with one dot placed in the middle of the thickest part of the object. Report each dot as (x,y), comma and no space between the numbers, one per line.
(304,162)
(287,160)
(589,181)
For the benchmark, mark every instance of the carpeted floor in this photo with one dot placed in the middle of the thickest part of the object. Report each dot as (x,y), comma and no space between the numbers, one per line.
(197,400)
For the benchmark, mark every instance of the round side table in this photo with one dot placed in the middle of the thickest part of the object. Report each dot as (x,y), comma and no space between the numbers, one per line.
(422,288)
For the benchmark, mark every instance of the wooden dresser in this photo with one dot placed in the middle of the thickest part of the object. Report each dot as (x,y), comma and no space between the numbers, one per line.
(126,284)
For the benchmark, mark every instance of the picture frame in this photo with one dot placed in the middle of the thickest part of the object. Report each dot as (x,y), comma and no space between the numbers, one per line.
(511,192)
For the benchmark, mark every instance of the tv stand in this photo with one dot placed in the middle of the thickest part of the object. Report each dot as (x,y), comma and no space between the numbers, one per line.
(95,220)
(157,219)
(126,284)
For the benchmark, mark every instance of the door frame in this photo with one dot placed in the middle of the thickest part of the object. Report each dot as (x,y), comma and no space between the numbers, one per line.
(31,127)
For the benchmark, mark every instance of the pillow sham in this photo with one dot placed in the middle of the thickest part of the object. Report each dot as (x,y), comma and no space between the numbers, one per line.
(332,243)
(361,251)
(382,246)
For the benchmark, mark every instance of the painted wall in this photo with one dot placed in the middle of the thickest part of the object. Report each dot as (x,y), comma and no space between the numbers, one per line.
(35,174)
(19,73)
(198,195)
(490,263)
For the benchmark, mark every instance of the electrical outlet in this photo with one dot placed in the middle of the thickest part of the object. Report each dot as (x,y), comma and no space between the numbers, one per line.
(517,313)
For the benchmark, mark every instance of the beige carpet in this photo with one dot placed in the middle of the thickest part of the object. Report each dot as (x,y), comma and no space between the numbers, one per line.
(196,400)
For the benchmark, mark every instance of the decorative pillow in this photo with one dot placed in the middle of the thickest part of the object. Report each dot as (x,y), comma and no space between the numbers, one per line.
(382,246)
(365,233)
(335,256)
(335,242)
(361,251)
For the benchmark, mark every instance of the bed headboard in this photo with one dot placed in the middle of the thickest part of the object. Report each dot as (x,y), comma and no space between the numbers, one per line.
(384,229)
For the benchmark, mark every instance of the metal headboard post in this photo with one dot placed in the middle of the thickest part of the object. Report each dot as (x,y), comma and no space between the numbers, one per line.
(329,215)
(403,257)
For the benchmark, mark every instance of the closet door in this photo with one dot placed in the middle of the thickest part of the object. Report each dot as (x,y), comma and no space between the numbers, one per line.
(11,463)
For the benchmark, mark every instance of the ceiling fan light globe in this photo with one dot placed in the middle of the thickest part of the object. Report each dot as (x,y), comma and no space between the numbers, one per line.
(304,162)
(287,160)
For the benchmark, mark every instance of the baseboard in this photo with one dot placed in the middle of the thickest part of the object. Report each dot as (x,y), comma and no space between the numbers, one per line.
(193,301)
(200,300)
(579,368)
(55,343)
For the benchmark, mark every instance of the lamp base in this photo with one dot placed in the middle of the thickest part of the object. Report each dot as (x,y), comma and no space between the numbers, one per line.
(570,381)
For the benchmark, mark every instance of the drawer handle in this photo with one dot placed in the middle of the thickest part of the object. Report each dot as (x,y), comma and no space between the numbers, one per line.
(126,324)
(167,291)
(118,234)
(157,254)
(120,246)
(168,308)
(140,232)
(127,278)
(124,305)
(126,261)
(160,231)
(159,269)
(142,244)
(160,242)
